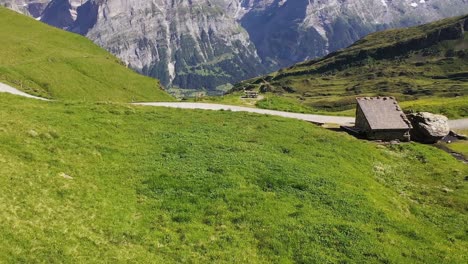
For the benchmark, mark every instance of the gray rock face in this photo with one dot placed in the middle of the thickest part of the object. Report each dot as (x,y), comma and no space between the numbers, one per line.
(206,44)
(428,128)
(58,14)
(33,8)
(287,32)
(191,44)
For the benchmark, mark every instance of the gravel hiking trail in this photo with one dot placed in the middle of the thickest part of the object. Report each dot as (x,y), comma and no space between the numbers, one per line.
(321,119)
(8,89)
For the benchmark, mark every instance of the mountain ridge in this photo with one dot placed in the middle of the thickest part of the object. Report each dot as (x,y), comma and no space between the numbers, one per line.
(184,45)
(411,64)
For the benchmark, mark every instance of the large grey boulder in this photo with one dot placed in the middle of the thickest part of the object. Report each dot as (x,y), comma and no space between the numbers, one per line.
(428,128)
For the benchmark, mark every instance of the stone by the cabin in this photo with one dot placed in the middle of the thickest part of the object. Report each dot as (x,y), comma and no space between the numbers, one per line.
(428,128)
(381,118)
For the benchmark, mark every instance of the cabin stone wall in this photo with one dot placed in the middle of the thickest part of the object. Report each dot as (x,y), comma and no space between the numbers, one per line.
(361,122)
(389,135)
(363,126)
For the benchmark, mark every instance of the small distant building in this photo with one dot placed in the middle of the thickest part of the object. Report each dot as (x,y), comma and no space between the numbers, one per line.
(381,118)
(250,94)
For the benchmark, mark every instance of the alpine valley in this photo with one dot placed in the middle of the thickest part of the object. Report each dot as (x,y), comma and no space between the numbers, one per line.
(97,171)
(209,45)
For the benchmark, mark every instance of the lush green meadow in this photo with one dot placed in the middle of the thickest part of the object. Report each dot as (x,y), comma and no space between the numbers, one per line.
(91,182)
(52,63)
(460,147)
(101,182)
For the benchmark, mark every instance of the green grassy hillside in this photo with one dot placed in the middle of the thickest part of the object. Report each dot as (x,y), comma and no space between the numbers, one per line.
(99,182)
(52,63)
(426,66)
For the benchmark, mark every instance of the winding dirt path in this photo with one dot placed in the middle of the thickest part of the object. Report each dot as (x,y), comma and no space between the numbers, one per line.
(459,123)
(322,119)
(8,89)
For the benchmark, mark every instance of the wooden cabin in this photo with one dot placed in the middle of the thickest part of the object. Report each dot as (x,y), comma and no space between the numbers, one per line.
(250,94)
(381,118)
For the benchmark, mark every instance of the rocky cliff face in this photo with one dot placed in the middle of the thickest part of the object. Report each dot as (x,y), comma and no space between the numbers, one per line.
(34,8)
(206,44)
(286,32)
(190,44)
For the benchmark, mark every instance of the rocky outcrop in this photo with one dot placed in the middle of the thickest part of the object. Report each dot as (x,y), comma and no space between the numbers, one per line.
(428,128)
(58,14)
(190,44)
(87,15)
(62,13)
(287,32)
(33,8)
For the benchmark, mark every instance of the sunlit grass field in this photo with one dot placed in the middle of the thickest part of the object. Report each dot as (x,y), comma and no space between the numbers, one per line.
(101,182)
(52,63)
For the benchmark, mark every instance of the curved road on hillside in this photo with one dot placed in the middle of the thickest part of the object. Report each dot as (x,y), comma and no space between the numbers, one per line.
(8,89)
(459,124)
(322,119)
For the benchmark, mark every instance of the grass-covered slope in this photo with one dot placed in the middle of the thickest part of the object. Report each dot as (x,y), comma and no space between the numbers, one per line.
(427,65)
(52,63)
(115,183)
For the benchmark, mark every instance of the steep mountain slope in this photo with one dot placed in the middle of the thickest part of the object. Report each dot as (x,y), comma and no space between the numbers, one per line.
(52,63)
(205,44)
(109,183)
(428,61)
(191,44)
(287,32)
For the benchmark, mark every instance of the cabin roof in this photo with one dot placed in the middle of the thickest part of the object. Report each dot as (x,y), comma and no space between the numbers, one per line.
(383,113)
